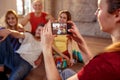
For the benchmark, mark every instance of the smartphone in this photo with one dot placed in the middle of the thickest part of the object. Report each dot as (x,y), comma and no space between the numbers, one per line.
(69,25)
(60,28)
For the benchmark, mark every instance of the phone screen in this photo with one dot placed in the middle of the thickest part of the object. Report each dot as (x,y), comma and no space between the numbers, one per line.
(59,28)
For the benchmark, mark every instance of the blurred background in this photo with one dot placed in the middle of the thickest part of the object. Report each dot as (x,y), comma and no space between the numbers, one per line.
(82,13)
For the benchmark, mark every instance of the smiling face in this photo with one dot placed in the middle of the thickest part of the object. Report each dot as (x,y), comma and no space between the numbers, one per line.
(105,19)
(37,6)
(38,31)
(11,20)
(62,18)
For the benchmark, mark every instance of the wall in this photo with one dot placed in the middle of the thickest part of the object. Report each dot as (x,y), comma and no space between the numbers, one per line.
(5,5)
(82,12)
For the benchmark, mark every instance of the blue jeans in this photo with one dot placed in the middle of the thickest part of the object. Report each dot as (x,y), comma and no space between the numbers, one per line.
(20,68)
(65,74)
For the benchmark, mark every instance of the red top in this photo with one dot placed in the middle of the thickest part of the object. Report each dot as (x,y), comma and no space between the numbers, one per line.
(105,66)
(35,21)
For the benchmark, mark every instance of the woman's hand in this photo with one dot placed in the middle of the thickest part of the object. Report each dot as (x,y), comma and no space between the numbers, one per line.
(86,54)
(3,34)
(47,42)
(46,36)
(75,33)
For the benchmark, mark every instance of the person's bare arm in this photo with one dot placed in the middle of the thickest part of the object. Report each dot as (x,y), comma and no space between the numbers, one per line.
(69,47)
(5,32)
(25,20)
(86,53)
(16,34)
(47,42)
(50,17)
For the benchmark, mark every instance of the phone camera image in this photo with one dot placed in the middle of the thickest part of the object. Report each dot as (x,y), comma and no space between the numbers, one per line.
(59,28)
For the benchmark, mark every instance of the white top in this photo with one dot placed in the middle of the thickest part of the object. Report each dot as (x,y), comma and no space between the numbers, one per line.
(30,48)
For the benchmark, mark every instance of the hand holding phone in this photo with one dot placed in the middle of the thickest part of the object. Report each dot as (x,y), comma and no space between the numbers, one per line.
(69,25)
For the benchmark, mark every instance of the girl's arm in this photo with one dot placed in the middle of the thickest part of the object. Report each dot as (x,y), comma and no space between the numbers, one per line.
(16,34)
(5,32)
(50,17)
(86,53)
(69,45)
(25,20)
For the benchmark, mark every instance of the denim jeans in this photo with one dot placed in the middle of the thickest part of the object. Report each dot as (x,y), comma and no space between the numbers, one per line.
(19,67)
(65,74)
